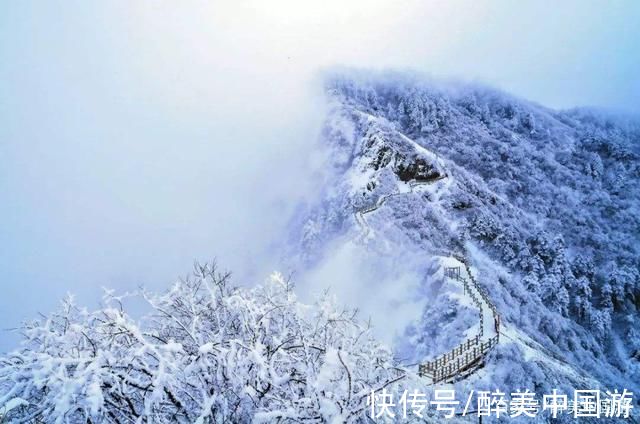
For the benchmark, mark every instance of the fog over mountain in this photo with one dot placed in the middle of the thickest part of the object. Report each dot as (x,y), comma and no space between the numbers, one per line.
(136,137)
(537,209)
(409,195)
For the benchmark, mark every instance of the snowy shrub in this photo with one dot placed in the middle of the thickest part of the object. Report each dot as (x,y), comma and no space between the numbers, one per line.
(205,352)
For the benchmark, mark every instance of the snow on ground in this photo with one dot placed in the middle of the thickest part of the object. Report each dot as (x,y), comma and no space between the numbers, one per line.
(534,352)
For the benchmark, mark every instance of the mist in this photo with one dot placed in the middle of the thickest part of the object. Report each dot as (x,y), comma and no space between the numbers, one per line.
(138,137)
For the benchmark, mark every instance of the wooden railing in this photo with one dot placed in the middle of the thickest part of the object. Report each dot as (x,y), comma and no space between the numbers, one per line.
(469,355)
(384,197)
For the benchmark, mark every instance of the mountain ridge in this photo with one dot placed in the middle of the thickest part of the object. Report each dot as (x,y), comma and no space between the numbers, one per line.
(522,173)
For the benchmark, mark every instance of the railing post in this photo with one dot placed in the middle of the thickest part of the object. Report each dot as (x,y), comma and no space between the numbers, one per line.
(446,366)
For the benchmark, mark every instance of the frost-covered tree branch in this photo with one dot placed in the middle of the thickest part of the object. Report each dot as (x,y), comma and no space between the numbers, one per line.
(205,352)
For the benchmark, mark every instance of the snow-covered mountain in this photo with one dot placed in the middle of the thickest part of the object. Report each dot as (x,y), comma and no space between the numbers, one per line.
(543,203)
(492,241)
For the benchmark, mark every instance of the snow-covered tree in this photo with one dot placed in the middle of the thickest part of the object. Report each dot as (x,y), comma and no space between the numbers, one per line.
(205,352)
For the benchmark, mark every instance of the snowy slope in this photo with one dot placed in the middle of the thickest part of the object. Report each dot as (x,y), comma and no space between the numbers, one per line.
(544,203)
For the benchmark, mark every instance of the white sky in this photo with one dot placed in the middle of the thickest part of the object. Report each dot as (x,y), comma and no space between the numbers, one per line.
(136,137)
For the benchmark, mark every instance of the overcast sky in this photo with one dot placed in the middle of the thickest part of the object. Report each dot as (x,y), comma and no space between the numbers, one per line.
(136,137)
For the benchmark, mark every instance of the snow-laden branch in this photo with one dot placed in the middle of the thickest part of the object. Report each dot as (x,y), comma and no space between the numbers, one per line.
(206,352)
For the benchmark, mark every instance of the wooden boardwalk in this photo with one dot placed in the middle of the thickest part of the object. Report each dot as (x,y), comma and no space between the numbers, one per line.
(468,356)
